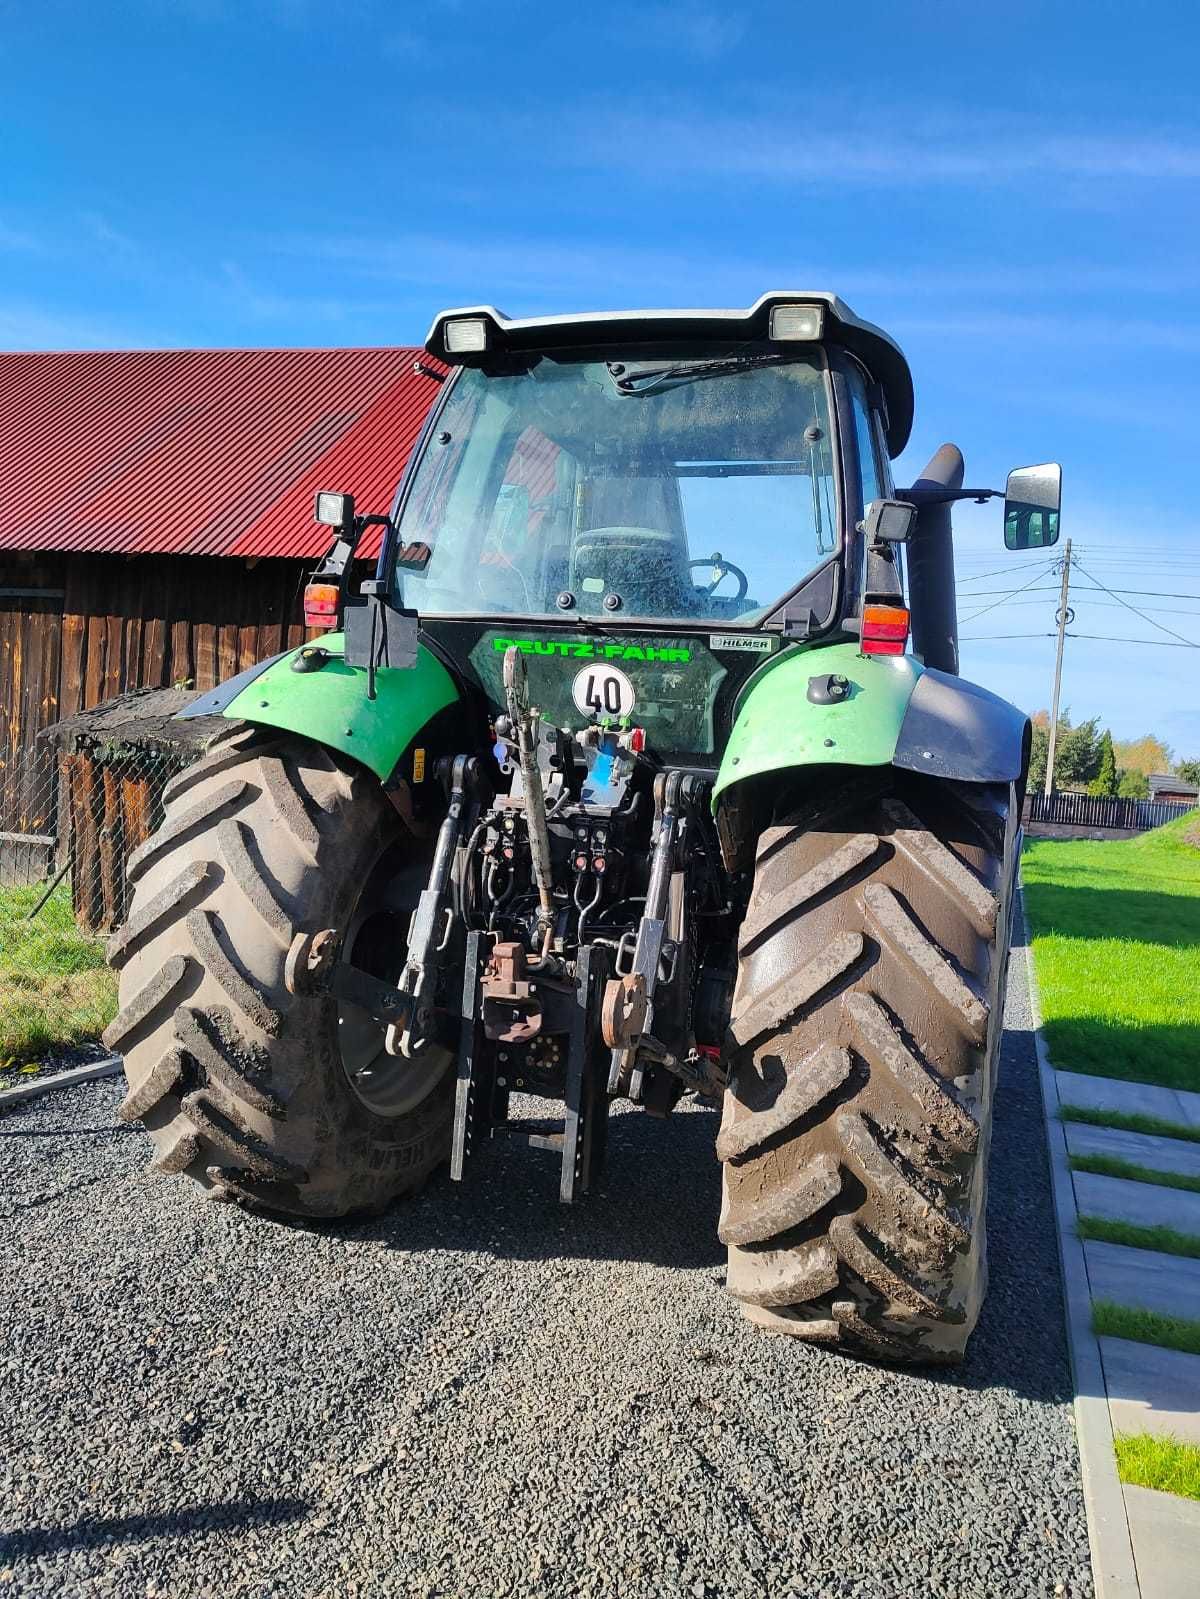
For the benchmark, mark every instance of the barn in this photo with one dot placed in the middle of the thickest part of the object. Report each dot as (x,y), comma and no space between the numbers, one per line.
(158,523)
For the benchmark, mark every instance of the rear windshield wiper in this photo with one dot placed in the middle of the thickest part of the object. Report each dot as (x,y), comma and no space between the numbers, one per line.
(651,380)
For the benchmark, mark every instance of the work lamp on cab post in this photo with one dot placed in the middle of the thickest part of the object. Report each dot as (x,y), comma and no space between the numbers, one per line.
(325,592)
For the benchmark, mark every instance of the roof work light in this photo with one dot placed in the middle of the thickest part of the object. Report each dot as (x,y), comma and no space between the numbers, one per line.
(466,335)
(797,322)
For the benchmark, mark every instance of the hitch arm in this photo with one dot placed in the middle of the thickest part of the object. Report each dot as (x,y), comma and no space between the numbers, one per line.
(406,1009)
(428,933)
(629,1000)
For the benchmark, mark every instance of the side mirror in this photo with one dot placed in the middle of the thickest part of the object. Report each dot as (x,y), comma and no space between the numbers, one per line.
(888,521)
(1031,504)
(335,510)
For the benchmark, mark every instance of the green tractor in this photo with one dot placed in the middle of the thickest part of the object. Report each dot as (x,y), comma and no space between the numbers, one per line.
(618,780)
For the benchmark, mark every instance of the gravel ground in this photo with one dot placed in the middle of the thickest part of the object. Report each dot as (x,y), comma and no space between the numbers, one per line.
(50,1062)
(483,1394)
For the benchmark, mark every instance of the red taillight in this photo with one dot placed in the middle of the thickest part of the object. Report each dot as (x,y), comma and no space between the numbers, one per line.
(321,606)
(884,629)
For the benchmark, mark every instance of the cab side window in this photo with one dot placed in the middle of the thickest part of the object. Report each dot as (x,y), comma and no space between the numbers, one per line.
(873,467)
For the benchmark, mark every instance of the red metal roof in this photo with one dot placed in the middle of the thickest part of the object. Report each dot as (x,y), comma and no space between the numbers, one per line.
(200,452)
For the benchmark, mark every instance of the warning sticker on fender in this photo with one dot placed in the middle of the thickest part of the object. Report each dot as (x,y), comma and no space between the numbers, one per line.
(760,643)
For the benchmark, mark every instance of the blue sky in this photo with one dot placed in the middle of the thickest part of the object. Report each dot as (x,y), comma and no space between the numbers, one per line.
(1013,192)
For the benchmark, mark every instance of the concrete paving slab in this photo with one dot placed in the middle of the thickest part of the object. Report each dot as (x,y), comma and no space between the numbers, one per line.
(37,1086)
(1140,1099)
(1143,1279)
(1145,1204)
(1166,1542)
(1152,1390)
(1113,1572)
(1160,1154)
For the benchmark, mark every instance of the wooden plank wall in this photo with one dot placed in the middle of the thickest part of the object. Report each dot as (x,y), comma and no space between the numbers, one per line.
(108,624)
(152,621)
(30,648)
(120,623)
(30,631)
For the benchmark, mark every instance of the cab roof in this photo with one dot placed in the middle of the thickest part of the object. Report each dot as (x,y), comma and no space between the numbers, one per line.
(880,354)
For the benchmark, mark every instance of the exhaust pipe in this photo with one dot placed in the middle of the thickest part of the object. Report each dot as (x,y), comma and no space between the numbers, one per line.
(930,556)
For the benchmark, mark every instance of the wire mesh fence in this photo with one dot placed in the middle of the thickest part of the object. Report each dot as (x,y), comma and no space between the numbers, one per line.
(78,813)
(71,815)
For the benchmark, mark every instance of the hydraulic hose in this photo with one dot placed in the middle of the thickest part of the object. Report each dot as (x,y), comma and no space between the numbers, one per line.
(516,693)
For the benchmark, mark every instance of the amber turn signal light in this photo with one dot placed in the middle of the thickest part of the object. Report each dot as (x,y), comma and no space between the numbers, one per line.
(321,605)
(884,629)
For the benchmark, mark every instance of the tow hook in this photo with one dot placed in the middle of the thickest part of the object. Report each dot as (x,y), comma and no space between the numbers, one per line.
(511,1012)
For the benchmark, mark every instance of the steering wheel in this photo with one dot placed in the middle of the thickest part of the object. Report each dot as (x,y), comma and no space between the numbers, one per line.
(723,569)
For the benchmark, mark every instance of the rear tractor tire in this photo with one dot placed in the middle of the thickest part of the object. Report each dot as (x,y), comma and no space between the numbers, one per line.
(245,1087)
(864,1039)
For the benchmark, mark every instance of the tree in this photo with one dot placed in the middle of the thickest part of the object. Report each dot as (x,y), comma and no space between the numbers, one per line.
(1104,784)
(1133,785)
(1077,758)
(1146,754)
(1039,754)
(1189,771)
(1076,751)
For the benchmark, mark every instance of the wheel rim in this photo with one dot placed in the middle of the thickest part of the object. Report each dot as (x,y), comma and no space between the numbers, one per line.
(376,940)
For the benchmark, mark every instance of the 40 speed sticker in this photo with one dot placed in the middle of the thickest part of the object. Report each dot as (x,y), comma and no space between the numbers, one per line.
(603,690)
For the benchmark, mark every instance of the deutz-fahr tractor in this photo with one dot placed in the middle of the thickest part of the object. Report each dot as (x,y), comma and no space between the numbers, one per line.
(619,780)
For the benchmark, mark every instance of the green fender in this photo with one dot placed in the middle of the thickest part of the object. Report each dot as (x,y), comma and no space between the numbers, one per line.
(331,706)
(778,726)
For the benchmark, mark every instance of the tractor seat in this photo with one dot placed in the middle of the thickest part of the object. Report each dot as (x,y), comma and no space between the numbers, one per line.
(645,566)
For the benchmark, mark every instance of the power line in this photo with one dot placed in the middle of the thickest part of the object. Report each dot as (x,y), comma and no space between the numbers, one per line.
(1112,605)
(1140,560)
(978,577)
(1103,638)
(1158,643)
(982,594)
(1159,594)
(984,609)
(1128,550)
(1161,626)
(1153,563)
(1050,589)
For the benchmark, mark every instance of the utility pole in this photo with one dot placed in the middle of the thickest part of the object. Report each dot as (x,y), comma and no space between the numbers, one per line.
(1062,630)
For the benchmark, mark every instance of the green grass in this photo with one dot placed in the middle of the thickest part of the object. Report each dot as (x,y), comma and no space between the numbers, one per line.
(1165,1239)
(55,989)
(1116,944)
(1130,1122)
(1114,1166)
(1146,1327)
(1162,1463)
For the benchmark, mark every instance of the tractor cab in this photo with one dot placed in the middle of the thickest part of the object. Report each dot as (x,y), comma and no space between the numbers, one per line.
(668,496)
(655,467)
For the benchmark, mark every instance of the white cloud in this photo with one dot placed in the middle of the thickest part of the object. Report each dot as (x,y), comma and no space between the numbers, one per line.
(1036,331)
(706,32)
(25,326)
(18,241)
(786,146)
(282,305)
